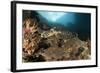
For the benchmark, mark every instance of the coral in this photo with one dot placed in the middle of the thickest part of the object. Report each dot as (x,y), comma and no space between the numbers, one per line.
(30,36)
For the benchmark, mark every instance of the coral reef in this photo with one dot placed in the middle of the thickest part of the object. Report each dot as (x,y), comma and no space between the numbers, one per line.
(52,45)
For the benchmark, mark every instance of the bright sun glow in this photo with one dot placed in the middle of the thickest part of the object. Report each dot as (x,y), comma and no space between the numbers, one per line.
(52,16)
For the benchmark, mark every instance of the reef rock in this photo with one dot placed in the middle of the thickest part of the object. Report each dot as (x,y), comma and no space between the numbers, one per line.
(64,46)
